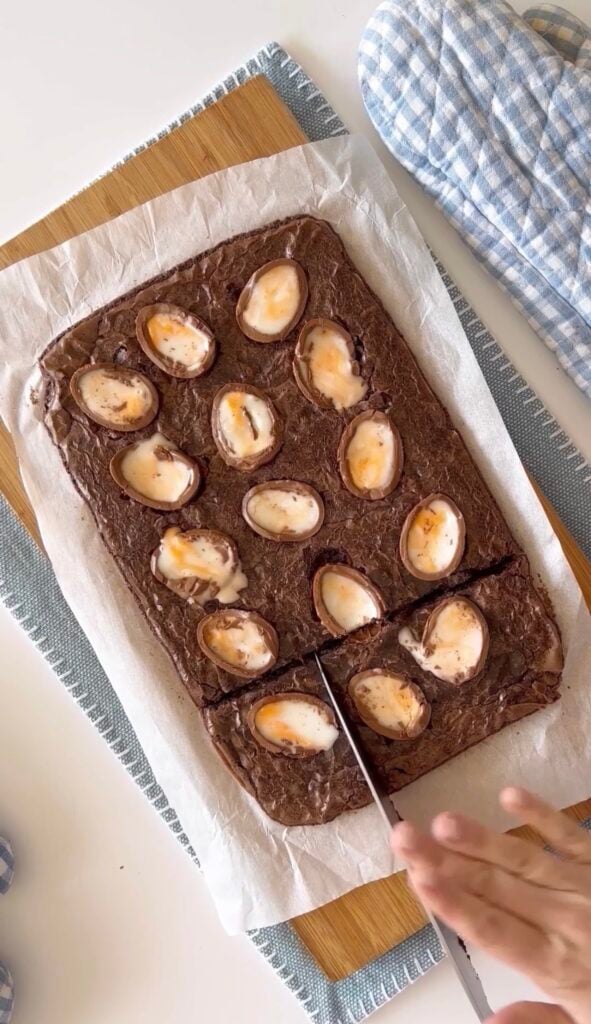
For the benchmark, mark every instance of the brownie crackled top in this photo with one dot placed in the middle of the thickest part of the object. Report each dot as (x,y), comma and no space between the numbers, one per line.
(414,721)
(271,471)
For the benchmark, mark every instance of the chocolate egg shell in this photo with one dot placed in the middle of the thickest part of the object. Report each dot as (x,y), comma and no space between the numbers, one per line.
(235,618)
(197,586)
(112,371)
(292,695)
(286,536)
(475,610)
(553,658)
(372,493)
(246,294)
(303,371)
(356,686)
(249,462)
(454,562)
(171,366)
(326,618)
(164,452)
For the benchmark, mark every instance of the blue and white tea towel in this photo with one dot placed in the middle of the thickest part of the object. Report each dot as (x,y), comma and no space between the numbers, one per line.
(491,113)
(6,982)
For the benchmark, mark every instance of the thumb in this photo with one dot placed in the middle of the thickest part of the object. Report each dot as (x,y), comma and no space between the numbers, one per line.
(531,1013)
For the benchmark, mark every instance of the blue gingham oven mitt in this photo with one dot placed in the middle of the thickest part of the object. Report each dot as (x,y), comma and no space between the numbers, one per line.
(491,113)
(6,983)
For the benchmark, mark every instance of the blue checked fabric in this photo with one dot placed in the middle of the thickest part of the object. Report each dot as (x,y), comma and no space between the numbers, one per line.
(6,865)
(563,31)
(491,113)
(6,982)
(6,995)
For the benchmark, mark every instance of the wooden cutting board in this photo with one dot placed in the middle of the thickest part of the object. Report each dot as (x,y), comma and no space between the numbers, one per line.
(250,122)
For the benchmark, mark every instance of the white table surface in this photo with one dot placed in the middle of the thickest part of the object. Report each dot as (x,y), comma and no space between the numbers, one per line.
(108,921)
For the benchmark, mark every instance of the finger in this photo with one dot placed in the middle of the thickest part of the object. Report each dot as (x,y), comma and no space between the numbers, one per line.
(427,859)
(562,834)
(514,855)
(553,912)
(497,931)
(557,913)
(414,846)
(418,850)
(531,1013)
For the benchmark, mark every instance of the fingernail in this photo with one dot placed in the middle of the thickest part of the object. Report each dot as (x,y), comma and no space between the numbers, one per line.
(515,795)
(447,827)
(403,837)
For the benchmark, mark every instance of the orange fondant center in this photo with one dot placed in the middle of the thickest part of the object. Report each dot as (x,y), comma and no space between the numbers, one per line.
(268,716)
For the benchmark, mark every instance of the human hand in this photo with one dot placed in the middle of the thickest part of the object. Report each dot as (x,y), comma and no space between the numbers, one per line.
(520,903)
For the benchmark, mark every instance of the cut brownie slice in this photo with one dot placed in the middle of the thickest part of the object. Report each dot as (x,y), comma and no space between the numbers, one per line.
(362,533)
(520,674)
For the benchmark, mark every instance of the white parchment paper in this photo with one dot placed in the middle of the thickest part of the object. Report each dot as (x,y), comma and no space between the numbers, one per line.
(260,872)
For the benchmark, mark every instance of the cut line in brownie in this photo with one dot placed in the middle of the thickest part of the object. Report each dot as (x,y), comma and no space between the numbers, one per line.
(363,534)
(521,674)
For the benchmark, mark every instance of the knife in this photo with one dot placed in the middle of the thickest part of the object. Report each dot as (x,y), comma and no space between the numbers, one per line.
(450,942)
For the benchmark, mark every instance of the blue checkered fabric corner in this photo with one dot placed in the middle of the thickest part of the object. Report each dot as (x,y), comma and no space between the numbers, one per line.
(6,865)
(565,32)
(6,982)
(6,995)
(491,113)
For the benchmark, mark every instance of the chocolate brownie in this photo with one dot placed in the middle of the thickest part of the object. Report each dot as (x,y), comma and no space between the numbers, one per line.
(520,675)
(363,534)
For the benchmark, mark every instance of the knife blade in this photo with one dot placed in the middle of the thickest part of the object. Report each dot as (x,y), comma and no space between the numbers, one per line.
(450,942)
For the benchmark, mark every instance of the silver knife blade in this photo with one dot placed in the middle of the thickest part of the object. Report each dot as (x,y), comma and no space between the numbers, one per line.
(450,942)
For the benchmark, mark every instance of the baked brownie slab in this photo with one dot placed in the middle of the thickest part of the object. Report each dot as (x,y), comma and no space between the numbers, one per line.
(364,534)
(440,716)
